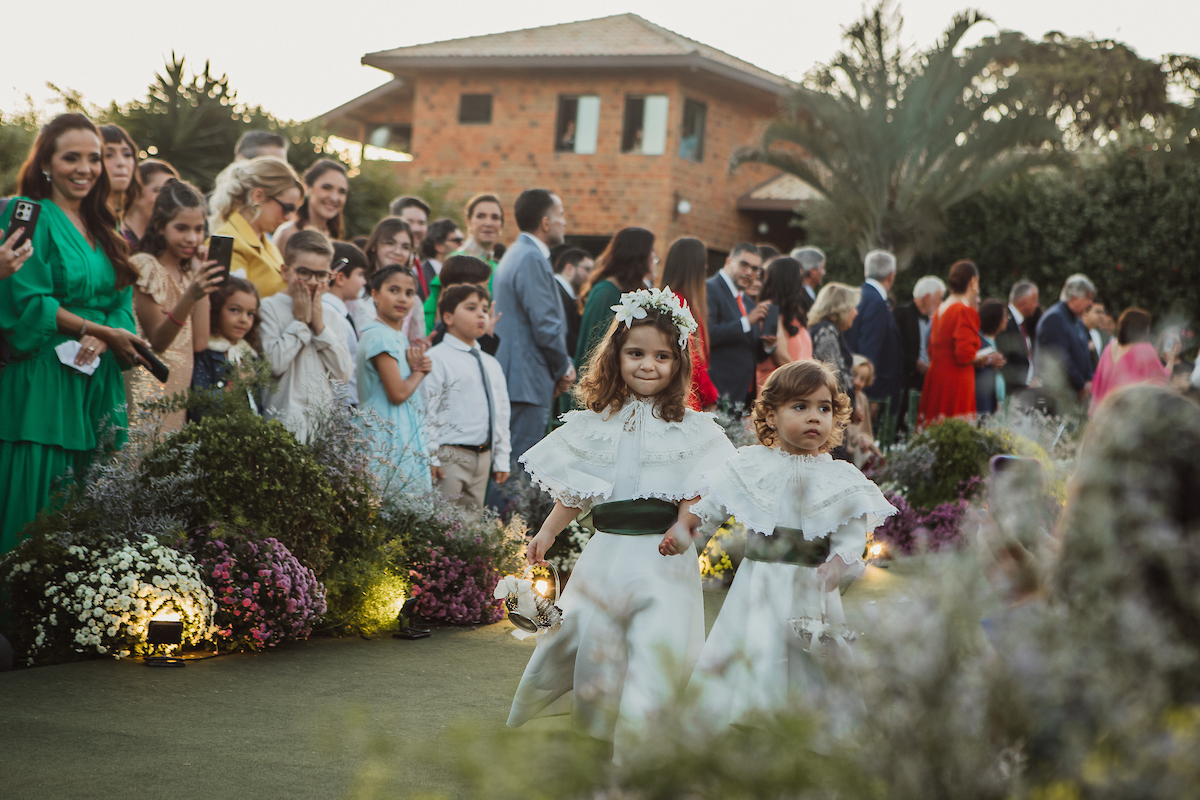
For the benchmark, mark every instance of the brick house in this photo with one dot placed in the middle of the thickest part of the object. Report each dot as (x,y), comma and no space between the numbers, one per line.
(630,123)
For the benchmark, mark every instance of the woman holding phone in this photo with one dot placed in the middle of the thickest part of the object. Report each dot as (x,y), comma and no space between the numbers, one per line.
(76,287)
(251,200)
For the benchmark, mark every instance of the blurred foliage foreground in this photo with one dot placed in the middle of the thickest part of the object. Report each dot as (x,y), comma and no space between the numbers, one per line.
(1069,668)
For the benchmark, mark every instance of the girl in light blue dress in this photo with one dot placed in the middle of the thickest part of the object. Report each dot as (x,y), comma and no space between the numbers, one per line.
(389,372)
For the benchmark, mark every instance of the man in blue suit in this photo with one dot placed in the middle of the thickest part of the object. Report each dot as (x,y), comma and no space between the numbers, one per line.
(875,333)
(733,324)
(1062,341)
(532,328)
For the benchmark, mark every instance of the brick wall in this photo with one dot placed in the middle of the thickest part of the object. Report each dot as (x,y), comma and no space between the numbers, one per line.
(604,191)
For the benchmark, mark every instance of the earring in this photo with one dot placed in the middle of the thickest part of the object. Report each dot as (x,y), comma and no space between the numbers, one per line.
(46,173)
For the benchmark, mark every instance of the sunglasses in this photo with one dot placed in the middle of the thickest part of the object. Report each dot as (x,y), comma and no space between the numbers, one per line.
(287,208)
(455,239)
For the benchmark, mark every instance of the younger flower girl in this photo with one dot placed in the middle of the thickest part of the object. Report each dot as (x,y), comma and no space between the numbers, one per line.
(633,611)
(806,518)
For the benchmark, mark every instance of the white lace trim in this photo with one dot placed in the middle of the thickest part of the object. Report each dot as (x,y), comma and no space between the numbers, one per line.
(761,486)
(577,463)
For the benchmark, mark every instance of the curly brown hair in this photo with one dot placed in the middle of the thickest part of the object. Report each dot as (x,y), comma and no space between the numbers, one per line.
(602,387)
(792,382)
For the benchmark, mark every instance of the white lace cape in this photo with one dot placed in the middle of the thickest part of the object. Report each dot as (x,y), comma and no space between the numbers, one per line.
(577,463)
(763,487)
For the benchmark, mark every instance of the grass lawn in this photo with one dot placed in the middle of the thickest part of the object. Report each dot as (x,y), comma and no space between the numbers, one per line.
(315,719)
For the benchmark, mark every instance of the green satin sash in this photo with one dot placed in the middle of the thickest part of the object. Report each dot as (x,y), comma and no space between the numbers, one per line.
(635,517)
(787,546)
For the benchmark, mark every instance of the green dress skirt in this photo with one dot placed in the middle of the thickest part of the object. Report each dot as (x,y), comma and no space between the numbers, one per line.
(54,416)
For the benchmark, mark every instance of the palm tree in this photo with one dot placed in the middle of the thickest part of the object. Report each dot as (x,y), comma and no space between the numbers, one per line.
(891,142)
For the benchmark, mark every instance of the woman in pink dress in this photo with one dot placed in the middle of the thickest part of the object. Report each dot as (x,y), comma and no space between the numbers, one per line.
(1130,358)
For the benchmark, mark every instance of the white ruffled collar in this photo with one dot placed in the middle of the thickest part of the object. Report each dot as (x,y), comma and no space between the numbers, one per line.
(764,488)
(233,352)
(577,462)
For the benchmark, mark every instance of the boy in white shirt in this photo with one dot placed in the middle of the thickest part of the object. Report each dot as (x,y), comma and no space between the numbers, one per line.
(466,398)
(345,286)
(306,355)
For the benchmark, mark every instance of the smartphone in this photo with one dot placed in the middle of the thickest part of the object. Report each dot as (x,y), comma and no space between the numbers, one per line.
(157,368)
(220,249)
(24,219)
(770,323)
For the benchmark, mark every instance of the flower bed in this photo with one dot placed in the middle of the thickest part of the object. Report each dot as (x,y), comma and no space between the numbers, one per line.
(264,595)
(98,600)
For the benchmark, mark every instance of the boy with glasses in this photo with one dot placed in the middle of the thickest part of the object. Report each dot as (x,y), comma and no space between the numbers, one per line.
(306,355)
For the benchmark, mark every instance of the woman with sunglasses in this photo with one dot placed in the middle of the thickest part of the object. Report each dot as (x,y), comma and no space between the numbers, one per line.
(253,198)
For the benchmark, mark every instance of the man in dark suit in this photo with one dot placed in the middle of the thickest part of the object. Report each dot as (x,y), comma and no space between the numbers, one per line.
(1015,342)
(1062,351)
(875,333)
(531,327)
(812,272)
(914,319)
(734,324)
(571,269)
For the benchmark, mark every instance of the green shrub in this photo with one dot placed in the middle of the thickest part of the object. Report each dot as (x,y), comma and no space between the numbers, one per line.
(255,474)
(961,452)
(1127,221)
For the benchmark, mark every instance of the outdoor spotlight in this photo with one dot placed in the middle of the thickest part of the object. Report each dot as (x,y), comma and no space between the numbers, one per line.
(408,612)
(161,634)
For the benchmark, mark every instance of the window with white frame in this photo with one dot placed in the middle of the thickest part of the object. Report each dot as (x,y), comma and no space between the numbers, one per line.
(645,129)
(578,124)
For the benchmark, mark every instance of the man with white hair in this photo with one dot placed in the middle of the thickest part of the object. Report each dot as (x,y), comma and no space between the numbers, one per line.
(875,334)
(1060,344)
(812,272)
(914,320)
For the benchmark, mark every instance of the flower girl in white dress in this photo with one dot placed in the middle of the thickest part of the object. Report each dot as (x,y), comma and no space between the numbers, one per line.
(633,613)
(806,518)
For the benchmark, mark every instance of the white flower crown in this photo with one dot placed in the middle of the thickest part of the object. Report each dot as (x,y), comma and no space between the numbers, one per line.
(633,306)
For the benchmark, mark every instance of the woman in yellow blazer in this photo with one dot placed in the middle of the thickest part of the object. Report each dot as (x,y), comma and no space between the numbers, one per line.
(253,198)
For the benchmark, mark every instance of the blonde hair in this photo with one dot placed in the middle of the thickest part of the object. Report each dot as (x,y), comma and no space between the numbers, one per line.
(237,181)
(833,303)
(863,361)
(791,382)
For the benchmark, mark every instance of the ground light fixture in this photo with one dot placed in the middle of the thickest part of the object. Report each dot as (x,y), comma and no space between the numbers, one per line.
(162,633)
(406,611)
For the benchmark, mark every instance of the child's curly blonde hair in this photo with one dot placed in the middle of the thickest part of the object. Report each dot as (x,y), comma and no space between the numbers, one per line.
(792,382)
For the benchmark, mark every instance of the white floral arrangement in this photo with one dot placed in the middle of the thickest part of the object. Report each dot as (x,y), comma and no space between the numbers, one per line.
(107,596)
(634,305)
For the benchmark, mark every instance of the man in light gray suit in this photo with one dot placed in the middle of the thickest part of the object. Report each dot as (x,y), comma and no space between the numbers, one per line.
(532,327)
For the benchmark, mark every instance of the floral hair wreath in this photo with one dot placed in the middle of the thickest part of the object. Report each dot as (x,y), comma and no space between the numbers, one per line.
(633,306)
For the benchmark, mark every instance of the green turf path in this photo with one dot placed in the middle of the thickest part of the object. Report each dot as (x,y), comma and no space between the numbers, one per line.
(307,720)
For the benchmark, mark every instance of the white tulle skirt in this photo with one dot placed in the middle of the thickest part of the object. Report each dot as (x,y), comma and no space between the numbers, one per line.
(753,662)
(633,628)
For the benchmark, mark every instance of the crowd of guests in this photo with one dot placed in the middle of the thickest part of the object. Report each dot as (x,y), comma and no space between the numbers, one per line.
(457,348)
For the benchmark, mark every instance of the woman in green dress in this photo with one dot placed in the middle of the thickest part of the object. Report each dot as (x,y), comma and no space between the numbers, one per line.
(627,264)
(77,286)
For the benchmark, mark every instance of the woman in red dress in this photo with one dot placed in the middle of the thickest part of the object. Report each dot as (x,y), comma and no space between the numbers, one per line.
(684,271)
(954,350)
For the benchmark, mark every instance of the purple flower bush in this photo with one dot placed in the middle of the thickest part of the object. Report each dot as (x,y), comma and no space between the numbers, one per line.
(265,596)
(454,559)
(455,591)
(914,529)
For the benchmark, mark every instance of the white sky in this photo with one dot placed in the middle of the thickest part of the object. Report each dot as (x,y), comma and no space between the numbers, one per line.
(301,58)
